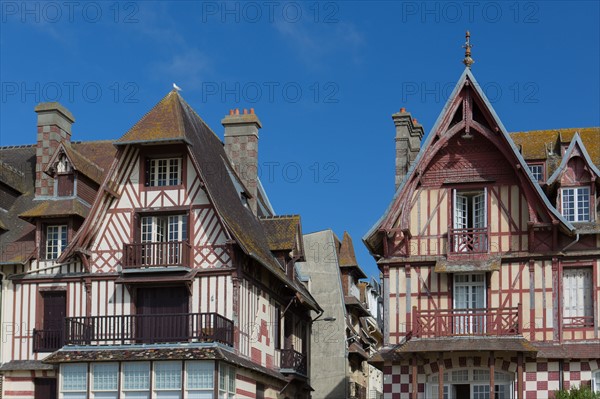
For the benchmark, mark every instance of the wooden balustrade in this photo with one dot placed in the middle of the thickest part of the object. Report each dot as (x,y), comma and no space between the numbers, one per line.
(147,329)
(466,322)
(155,254)
(472,240)
(293,360)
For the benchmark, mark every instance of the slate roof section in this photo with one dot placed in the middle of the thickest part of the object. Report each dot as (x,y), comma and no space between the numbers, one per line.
(17,243)
(18,365)
(281,231)
(178,352)
(56,208)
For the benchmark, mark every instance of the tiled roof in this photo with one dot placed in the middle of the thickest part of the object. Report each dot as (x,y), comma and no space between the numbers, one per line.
(579,350)
(347,257)
(164,122)
(17,243)
(535,144)
(281,231)
(455,344)
(56,208)
(101,153)
(17,365)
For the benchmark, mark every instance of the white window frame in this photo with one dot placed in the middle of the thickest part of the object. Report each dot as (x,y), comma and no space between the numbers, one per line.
(227,377)
(474,377)
(136,390)
(57,237)
(537,171)
(596,381)
(581,197)
(163,229)
(164,172)
(168,378)
(577,293)
(67,370)
(470,285)
(469,211)
(94,382)
(200,378)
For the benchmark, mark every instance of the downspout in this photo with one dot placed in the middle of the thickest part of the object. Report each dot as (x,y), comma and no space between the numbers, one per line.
(572,243)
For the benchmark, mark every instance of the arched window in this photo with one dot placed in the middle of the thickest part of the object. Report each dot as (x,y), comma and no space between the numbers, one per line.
(472,383)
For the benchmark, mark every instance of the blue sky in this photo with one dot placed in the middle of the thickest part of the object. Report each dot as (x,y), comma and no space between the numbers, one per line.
(324,78)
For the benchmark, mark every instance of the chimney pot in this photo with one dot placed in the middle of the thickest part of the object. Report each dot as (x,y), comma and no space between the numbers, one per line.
(237,111)
(403,110)
(245,111)
(252,111)
(231,112)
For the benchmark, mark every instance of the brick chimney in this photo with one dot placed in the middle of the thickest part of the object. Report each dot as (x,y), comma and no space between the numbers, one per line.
(408,141)
(53,126)
(241,146)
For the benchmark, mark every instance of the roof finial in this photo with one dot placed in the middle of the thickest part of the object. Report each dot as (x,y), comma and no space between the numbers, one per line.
(468,61)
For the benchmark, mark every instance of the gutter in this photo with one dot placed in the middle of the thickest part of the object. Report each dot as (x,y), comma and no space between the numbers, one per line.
(571,244)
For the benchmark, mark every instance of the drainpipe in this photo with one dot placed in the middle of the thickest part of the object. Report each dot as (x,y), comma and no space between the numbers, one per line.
(560,374)
(571,244)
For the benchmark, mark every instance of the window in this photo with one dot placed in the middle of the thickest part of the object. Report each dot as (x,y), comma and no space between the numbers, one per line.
(170,230)
(74,380)
(578,308)
(471,383)
(167,379)
(163,172)
(136,380)
(596,381)
(199,380)
(105,380)
(226,381)
(469,295)
(576,204)
(56,241)
(469,233)
(537,170)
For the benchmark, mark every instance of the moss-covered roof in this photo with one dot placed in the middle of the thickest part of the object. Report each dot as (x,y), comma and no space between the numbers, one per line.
(536,144)
(56,208)
(281,231)
(164,122)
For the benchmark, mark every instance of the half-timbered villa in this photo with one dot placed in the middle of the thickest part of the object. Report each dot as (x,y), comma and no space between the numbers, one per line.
(152,266)
(490,254)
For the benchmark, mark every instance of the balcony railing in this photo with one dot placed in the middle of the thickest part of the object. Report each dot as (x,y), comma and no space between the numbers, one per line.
(155,254)
(466,322)
(148,329)
(293,361)
(47,340)
(472,240)
(578,321)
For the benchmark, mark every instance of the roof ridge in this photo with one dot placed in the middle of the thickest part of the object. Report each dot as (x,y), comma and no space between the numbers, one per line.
(10,147)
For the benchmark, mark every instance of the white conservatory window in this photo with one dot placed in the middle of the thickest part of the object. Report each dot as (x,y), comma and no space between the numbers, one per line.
(199,381)
(74,380)
(105,380)
(167,379)
(136,380)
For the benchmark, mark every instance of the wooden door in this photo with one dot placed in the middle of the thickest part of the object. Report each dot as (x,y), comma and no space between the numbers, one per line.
(55,311)
(162,314)
(44,388)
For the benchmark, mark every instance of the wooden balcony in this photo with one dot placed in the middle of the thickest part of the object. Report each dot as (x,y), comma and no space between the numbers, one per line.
(149,329)
(472,240)
(578,322)
(47,340)
(466,322)
(293,362)
(156,254)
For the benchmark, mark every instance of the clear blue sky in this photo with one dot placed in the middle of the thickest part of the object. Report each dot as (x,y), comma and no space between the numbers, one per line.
(324,78)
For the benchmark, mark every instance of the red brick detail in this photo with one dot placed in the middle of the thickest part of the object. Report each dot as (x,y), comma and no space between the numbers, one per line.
(256,355)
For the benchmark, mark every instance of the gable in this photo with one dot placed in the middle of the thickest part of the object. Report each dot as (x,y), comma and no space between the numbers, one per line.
(468,136)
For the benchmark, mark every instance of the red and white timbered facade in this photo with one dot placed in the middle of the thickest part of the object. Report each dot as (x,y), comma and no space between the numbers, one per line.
(490,272)
(164,286)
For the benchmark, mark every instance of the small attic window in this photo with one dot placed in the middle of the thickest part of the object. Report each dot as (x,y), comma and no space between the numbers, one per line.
(244,199)
(63,165)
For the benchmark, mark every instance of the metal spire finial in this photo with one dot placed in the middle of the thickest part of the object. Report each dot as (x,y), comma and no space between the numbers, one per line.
(468,61)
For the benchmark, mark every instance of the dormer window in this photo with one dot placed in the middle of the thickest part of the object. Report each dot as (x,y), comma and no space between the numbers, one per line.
(163,172)
(537,170)
(63,165)
(575,204)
